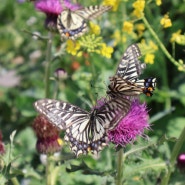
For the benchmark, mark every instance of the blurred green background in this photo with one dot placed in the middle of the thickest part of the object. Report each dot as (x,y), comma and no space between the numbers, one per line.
(22,67)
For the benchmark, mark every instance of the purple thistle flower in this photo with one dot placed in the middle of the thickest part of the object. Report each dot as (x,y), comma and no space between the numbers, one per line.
(60,73)
(52,8)
(181,162)
(48,138)
(131,126)
(2,148)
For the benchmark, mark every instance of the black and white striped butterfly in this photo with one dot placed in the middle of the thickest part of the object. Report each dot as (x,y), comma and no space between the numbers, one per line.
(126,82)
(72,23)
(86,131)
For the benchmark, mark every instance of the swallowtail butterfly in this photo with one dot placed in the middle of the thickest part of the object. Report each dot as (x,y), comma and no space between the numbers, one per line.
(126,82)
(86,131)
(73,23)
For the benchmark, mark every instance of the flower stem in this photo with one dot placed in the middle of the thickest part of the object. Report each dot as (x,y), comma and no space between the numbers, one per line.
(119,177)
(173,158)
(48,64)
(14,181)
(168,55)
(49,169)
(162,47)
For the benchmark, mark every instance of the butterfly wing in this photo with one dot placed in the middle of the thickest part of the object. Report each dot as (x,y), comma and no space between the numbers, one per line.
(92,12)
(85,131)
(126,82)
(92,136)
(130,68)
(60,113)
(72,24)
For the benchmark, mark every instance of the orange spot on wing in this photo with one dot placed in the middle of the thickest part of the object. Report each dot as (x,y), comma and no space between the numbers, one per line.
(89,149)
(67,34)
(150,89)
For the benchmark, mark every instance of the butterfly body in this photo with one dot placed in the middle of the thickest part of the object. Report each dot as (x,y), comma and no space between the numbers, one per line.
(126,82)
(85,131)
(72,23)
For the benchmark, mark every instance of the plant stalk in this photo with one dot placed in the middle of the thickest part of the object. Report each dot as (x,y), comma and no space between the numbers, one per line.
(160,44)
(175,153)
(48,65)
(119,177)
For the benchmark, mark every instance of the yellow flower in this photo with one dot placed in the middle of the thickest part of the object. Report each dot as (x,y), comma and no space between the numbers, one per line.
(128,27)
(95,28)
(153,46)
(149,58)
(60,142)
(166,21)
(181,40)
(158,2)
(113,3)
(181,66)
(178,38)
(72,47)
(106,50)
(138,6)
(140,28)
(118,37)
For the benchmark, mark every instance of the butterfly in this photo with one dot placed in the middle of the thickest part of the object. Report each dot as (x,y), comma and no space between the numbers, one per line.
(85,131)
(126,82)
(72,24)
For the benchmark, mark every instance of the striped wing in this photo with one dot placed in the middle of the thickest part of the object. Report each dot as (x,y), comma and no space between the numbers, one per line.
(72,24)
(130,67)
(121,88)
(92,136)
(92,12)
(126,82)
(60,113)
(85,131)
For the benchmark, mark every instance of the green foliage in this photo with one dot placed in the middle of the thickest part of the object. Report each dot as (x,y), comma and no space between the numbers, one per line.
(23,50)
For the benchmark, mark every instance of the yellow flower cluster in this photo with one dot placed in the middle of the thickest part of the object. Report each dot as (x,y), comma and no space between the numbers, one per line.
(149,58)
(148,50)
(166,21)
(158,2)
(178,38)
(140,28)
(138,6)
(106,51)
(113,3)
(128,27)
(73,47)
(118,37)
(91,43)
(95,28)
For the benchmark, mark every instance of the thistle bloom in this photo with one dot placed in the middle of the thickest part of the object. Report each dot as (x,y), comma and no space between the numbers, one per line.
(52,8)
(181,162)
(2,149)
(48,140)
(60,74)
(131,126)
